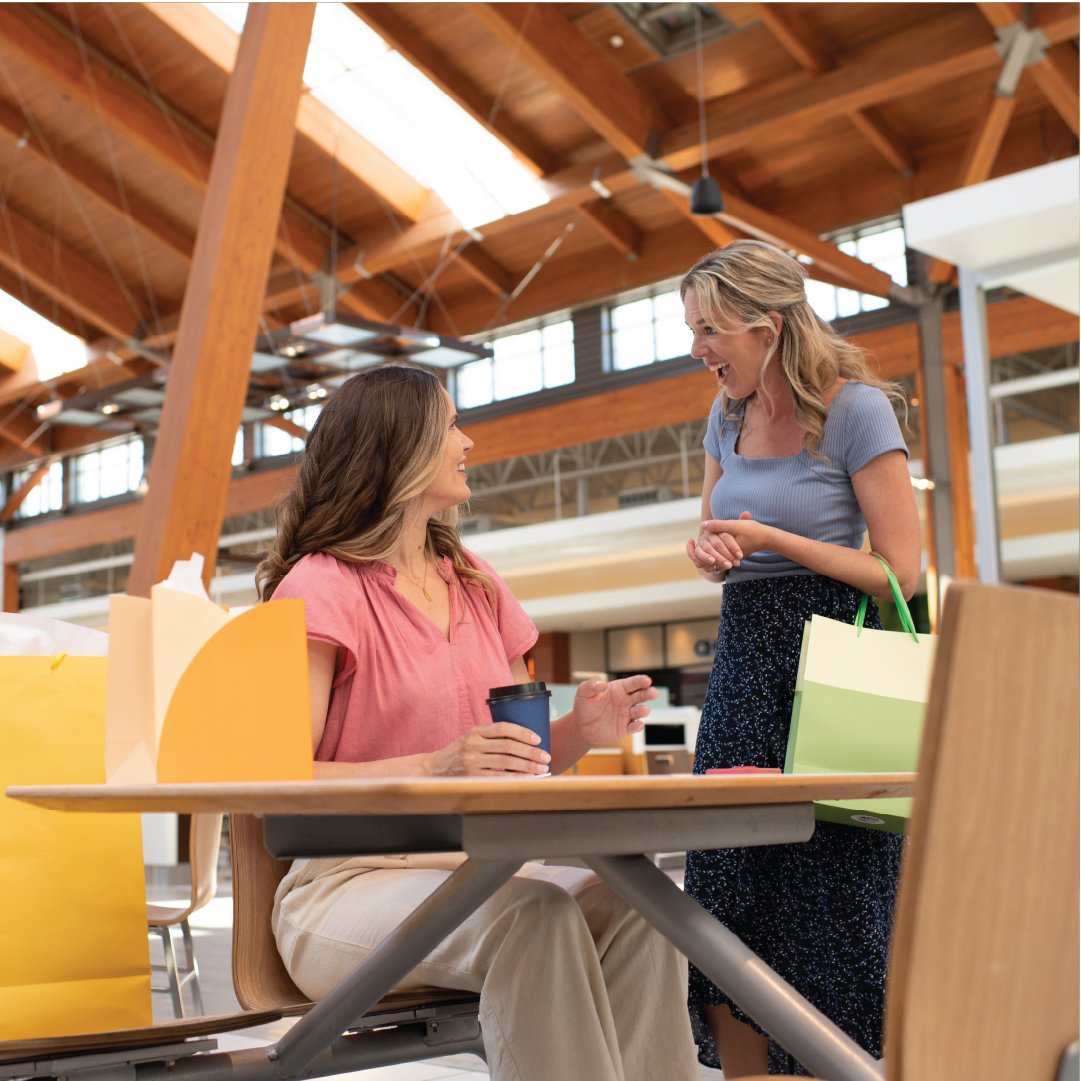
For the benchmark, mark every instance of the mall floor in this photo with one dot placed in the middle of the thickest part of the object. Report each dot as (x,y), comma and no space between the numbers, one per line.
(212,934)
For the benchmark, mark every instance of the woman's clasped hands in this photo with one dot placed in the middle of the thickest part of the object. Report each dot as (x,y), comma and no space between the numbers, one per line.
(718,548)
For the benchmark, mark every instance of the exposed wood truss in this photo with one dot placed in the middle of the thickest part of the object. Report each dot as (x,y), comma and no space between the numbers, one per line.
(817,117)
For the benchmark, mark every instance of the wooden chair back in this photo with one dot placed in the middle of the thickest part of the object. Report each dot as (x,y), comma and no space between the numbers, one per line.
(260,980)
(984,971)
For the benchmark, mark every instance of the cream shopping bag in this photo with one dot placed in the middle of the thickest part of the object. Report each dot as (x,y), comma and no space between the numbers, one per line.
(858,708)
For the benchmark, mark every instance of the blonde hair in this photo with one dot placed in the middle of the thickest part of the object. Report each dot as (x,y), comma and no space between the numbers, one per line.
(377,445)
(739,286)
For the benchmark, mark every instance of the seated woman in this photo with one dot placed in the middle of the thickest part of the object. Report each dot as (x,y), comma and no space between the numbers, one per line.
(407,631)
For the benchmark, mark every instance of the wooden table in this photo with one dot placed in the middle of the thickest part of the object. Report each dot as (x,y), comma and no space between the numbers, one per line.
(611,823)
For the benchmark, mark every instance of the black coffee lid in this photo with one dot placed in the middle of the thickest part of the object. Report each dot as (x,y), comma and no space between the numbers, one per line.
(517,690)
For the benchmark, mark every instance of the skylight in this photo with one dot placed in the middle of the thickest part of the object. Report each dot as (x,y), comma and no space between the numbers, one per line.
(55,350)
(384,98)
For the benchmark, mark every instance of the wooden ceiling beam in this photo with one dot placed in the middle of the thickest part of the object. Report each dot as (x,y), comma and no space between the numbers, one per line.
(800,45)
(810,55)
(1000,15)
(81,178)
(61,273)
(986,140)
(884,139)
(1057,77)
(786,234)
(908,63)
(717,232)
(210,371)
(616,228)
(284,424)
(583,76)
(979,159)
(37,38)
(207,34)
(19,495)
(481,267)
(430,61)
(20,428)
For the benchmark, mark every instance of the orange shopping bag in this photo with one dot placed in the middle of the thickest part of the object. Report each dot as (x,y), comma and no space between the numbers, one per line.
(73,944)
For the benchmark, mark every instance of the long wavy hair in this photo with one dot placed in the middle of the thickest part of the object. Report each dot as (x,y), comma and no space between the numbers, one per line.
(738,286)
(376,446)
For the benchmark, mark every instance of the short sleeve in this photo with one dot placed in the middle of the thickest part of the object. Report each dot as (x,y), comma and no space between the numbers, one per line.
(330,604)
(714,439)
(517,631)
(870,427)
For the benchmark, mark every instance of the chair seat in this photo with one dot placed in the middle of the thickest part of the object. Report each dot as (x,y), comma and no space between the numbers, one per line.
(166,915)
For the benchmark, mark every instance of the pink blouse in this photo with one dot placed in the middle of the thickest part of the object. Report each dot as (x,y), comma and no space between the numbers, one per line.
(400,687)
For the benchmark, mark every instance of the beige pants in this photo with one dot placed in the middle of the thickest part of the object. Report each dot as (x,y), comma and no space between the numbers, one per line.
(573,985)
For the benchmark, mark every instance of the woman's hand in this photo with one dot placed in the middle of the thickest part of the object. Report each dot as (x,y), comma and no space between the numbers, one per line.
(491,748)
(744,533)
(606,711)
(717,550)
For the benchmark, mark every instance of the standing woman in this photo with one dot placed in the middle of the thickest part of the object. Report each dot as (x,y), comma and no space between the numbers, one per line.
(804,454)
(407,631)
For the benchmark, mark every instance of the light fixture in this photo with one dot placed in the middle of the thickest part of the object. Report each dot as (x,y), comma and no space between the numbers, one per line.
(315,392)
(109,408)
(278,402)
(705,194)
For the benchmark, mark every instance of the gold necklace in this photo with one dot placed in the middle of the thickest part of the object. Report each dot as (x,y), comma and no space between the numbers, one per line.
(421,585)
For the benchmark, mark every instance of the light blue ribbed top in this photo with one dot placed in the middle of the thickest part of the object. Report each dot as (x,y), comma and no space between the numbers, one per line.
(803,494)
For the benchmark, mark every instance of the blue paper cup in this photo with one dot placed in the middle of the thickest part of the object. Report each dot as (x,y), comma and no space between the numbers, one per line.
(525,704)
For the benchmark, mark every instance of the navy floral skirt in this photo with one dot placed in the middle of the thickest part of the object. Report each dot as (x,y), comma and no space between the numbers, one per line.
(819,913)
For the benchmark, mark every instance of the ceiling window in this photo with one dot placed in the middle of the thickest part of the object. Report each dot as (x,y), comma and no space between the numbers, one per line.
(272,442)
(47,495)
(881,245)
(648,330)
(111,470)
(54,350)
(522,362)
(383,97)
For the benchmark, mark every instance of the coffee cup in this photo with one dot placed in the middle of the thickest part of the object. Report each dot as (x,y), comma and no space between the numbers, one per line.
(525,704)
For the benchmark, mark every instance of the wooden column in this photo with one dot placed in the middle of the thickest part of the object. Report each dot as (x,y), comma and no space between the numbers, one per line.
(208,378)
(964,530)
(552,657)
(10,587)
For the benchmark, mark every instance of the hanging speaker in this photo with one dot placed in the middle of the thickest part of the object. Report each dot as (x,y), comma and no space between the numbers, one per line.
(706,196)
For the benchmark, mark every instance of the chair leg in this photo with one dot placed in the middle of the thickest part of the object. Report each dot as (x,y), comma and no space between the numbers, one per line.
(192,973)
(171,970)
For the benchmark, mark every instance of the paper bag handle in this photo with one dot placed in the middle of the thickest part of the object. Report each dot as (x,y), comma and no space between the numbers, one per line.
(898,600)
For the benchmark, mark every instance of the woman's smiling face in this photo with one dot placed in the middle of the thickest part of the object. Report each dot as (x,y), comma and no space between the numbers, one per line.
(736,357)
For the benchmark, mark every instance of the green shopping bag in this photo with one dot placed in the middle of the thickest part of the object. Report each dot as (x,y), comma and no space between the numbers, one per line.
(858,708)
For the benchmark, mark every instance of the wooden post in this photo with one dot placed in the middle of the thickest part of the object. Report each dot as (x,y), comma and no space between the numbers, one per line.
(552,657)
(10,587)
(964,530)
(208,378)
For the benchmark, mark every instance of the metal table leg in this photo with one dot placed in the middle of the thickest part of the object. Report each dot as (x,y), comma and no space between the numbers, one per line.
(467,888)
(784,1013)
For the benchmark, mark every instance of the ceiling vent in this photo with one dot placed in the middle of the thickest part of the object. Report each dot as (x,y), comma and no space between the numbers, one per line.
(671,29)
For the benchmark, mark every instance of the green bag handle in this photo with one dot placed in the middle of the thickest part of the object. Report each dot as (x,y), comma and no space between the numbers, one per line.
(898,599)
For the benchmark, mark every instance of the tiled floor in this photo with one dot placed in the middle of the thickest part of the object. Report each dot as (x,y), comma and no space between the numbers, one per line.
(212,932)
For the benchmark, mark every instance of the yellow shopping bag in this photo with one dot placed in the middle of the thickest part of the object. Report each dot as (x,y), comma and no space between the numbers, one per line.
(73,944)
